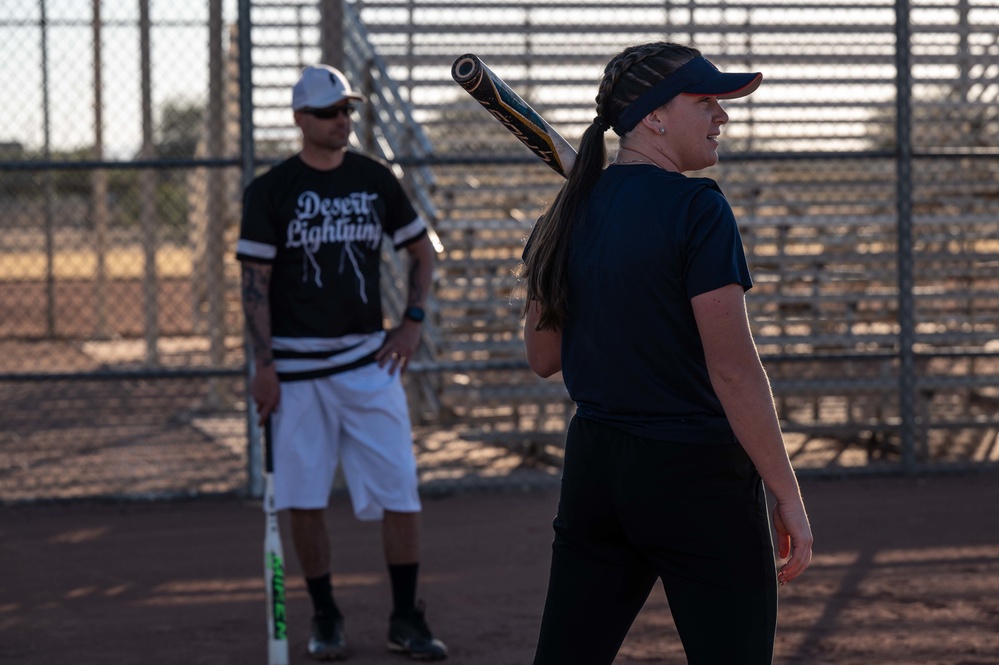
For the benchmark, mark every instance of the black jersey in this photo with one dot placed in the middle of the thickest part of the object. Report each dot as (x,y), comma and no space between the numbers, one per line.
(321,231)
(649,241)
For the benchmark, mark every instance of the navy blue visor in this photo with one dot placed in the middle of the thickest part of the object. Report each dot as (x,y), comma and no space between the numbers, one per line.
(696,77)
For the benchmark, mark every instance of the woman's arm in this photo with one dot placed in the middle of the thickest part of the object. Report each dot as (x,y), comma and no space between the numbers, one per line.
(741,383)
(544,347)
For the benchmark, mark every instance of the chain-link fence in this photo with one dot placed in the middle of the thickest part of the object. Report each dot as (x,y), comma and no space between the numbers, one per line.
(864,177)
(122,361)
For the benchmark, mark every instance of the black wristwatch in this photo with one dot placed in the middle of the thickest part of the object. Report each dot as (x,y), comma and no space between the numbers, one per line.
(415,313)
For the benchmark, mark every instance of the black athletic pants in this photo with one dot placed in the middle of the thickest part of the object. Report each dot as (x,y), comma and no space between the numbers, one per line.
(633,510)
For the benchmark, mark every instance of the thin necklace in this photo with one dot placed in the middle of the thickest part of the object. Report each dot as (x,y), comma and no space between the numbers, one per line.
(640,161)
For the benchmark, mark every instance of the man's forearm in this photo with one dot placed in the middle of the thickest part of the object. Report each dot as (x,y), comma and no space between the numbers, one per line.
(257,310)
(421,272)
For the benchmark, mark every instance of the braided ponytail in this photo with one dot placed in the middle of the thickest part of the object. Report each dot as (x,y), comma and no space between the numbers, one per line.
(546,261)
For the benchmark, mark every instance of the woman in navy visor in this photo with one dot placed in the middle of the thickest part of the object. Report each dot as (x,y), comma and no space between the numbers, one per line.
(636,279)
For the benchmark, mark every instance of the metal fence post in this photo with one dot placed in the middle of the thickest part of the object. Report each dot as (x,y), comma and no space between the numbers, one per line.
(214,250)
(48,179)
(99,187)
(147,192)
(331,35)
(906,309)
(254,465)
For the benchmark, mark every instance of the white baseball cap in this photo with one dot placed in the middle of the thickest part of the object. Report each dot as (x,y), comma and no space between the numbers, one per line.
(321,86)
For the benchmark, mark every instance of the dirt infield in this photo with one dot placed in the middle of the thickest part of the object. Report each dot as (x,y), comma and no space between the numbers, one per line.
(906,572)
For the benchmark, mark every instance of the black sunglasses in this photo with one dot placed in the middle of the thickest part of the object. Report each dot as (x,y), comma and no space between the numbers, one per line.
(330,112)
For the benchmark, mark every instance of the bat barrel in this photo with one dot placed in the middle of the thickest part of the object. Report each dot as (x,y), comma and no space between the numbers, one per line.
(510,109)
(467,70)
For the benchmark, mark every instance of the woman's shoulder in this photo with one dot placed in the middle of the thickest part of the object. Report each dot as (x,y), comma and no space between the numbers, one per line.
(704,184)
(706,192)
(708,202)
(700,192)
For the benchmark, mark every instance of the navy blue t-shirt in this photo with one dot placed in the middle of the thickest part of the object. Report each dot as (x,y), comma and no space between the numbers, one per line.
(649,241)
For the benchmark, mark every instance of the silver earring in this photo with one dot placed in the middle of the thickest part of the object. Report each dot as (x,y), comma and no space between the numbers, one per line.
(662,130)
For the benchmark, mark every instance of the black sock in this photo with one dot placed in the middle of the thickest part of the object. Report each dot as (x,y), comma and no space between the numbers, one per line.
(321,592)
(403,587)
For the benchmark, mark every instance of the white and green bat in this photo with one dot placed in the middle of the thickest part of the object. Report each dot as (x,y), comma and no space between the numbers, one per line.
(277,617)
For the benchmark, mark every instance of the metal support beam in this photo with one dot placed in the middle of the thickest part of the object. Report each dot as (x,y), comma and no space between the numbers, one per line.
(906,303)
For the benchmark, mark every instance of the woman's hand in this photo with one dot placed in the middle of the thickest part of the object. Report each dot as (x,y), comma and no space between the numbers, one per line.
(794,539)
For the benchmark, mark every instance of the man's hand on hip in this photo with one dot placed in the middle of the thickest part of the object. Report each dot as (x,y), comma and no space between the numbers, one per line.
(400,345)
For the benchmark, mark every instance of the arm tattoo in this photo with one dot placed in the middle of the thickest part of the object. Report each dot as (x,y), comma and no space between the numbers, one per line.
(252,291)
(257,310)
(416,287)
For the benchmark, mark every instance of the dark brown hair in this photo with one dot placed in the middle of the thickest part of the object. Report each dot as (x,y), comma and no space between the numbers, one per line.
(626,77)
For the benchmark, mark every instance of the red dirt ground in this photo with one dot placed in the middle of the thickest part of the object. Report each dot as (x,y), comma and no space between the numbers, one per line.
(906,571)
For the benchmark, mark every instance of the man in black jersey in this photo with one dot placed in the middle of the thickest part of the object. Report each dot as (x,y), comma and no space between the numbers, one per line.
(327,378)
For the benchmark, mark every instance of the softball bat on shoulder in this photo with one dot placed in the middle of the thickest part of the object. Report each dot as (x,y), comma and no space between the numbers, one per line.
(513,112)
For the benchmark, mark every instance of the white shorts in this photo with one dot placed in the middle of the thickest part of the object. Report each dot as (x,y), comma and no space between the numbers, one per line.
(359,418)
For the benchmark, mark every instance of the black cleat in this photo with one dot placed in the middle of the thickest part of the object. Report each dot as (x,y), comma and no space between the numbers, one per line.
(327,641)
(409,634)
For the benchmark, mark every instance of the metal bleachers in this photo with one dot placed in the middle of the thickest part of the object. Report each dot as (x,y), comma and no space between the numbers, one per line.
(809,164)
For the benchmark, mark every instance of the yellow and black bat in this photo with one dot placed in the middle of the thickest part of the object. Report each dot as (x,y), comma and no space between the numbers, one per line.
(513,112)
